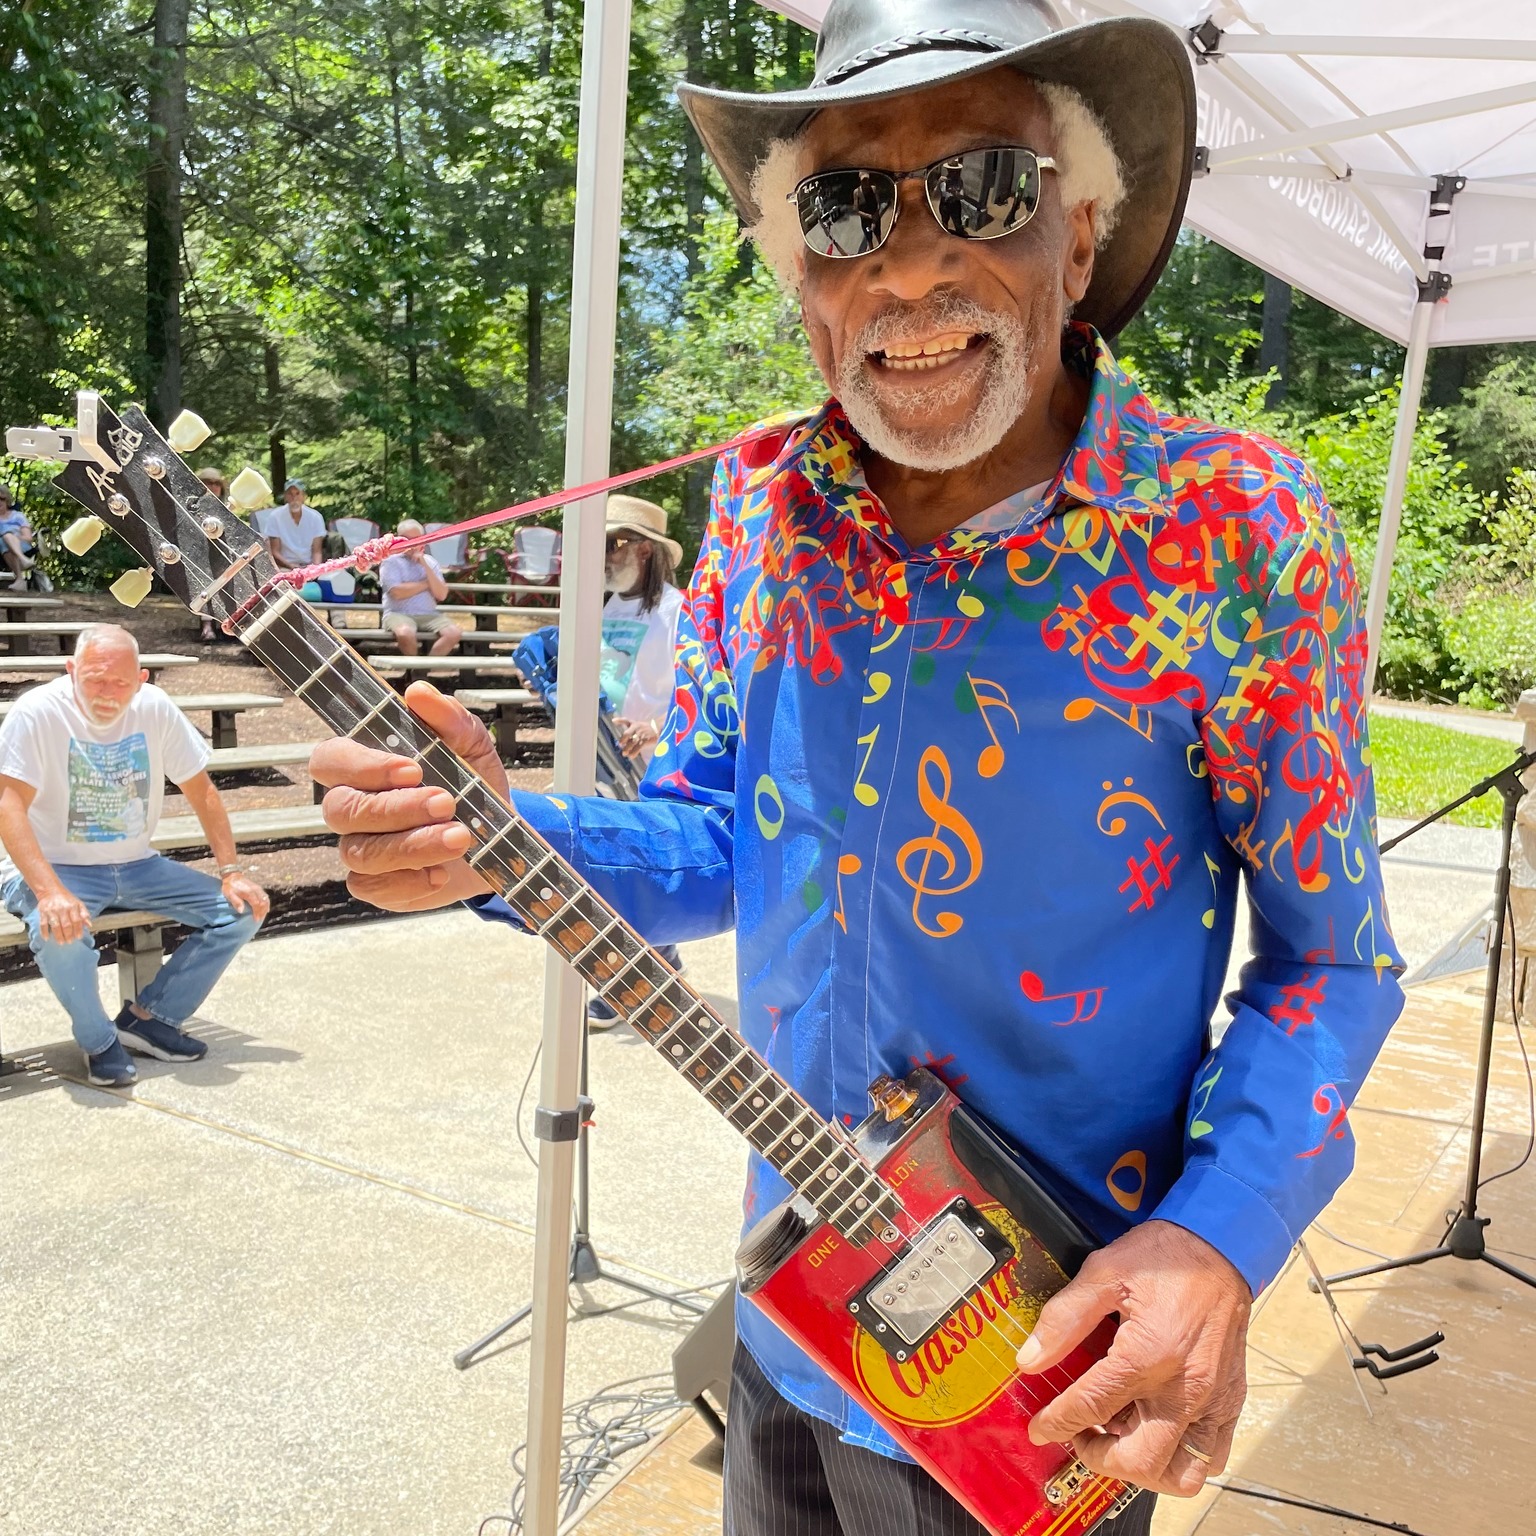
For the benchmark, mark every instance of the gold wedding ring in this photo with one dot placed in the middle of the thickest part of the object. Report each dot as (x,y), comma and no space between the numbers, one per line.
(1200,1456)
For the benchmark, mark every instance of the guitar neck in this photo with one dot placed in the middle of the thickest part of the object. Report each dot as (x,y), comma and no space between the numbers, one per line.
(553,901)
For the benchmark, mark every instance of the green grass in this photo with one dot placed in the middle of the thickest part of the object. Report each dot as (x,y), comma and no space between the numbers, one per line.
(1419,767)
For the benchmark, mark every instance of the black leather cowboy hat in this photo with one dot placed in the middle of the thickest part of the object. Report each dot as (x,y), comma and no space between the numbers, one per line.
(1134,73)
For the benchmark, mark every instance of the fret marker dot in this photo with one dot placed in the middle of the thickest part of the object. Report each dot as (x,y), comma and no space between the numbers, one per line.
(545,894)
(392,740)
(860,1203)
(796,1139)
(475,823)
(757,1101)
(831,1175)
(677,1050)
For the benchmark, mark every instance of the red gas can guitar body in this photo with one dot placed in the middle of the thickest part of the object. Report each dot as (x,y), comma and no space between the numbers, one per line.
(923,1331)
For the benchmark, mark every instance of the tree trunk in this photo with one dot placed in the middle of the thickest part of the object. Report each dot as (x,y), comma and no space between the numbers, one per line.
(162,212)
(277,449)
(1275,338)
(1447,376)
(693,154)
(533,331)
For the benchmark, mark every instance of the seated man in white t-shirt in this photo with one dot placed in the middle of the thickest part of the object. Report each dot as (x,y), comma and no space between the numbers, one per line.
(295,532)
(83,765)
(413,587)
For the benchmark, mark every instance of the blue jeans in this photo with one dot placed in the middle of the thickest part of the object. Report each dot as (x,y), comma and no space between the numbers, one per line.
(155,884)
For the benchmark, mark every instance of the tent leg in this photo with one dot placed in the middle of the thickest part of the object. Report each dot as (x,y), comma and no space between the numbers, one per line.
(1397,483)
(589,427)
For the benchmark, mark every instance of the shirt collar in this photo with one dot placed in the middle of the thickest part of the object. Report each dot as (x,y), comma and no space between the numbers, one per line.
(1118,461)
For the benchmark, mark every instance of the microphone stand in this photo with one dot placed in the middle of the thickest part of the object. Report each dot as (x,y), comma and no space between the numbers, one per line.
(1465,1238)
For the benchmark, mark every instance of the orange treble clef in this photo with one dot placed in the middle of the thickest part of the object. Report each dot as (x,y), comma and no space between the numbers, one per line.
(933,785)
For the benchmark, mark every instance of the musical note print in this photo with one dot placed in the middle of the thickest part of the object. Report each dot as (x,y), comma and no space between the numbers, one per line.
(1134,1163)
(1085,1004)
(1213,869)
(866,794)
(770,822)
(1139,719)
(990,763)
(1329,1101)
(915,859)
(1198,1126)
(847,864)
(1126,796)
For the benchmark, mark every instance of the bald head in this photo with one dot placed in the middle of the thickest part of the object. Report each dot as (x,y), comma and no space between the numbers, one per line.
(105,671)
(105,638)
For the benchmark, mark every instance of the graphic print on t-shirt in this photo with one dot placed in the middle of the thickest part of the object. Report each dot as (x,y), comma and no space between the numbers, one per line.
(108,789)
(622,639)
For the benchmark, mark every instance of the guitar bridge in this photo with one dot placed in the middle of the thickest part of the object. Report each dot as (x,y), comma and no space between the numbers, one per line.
(946,1263)
(1075,1477)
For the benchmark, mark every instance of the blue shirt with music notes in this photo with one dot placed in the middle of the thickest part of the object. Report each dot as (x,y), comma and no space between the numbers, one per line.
(986,806)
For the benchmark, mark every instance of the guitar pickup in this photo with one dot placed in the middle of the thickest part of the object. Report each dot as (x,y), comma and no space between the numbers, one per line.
(924,1285)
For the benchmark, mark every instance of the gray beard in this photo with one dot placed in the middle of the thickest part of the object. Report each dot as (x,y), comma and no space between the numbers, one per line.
(1005,390)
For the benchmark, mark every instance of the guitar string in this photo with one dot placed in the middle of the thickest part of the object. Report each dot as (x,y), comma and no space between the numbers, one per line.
(1019,1394)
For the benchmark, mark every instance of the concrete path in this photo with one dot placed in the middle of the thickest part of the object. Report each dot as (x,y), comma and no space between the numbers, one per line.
(230,1298)
(1474,722)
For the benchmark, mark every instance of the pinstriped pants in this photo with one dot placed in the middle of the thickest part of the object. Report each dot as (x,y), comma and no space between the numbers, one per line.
(788,1474)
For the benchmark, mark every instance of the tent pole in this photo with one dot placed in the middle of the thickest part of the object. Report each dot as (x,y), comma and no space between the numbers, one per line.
(1397,482)
(589,431)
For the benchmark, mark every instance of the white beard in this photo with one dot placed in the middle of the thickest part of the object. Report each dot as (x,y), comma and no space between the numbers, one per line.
(1004,394)
(622,573)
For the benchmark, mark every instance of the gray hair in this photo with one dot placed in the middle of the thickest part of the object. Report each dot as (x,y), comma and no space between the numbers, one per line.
(110,636)
(1088,169)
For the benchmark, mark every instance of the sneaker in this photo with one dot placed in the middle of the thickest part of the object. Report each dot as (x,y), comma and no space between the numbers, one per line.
(110,1068)
(600,1015)
(152,1037)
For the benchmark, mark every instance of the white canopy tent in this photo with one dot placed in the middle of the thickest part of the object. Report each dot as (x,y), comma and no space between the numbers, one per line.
(1380,155)
(1359,151)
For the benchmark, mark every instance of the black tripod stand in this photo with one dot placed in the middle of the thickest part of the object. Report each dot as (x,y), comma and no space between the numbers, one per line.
(586,1265)
(1465,1237)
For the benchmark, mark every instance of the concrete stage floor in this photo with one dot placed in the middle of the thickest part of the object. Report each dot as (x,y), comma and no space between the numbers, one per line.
(229,1299)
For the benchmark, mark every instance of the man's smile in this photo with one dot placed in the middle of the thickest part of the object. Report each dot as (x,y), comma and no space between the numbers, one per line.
(922,356)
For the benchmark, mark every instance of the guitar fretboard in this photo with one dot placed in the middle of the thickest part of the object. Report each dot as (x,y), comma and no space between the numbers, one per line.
(552,900)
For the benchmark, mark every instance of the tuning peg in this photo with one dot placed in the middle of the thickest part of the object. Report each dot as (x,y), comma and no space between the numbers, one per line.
(188,431)
(81,534)
(249,489)
(132,587)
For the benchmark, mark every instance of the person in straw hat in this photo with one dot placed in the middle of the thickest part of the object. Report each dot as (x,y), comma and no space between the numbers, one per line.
(996,687)
(639,621)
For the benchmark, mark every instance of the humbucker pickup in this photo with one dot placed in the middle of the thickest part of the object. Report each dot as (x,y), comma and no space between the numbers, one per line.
(947,1262)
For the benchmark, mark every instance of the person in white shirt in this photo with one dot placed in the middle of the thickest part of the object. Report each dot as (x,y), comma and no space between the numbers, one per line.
(639,638)
(639,622)
(295,532)
(83,765)
(413,587)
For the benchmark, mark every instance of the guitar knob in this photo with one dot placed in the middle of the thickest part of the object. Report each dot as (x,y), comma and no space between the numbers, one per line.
(82,534)
(188,431)
(249,489)
(132,587)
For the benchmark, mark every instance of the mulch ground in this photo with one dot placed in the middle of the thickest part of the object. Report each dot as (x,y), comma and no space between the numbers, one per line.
(305,879)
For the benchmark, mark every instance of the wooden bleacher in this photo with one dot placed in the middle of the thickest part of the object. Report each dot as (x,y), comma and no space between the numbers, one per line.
(226,708)
(16,605)
(508,708)
(153,662)
(18,636)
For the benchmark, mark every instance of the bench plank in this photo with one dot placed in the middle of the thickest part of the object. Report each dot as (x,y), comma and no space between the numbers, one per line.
(154,661)
(267,755)
(274,824)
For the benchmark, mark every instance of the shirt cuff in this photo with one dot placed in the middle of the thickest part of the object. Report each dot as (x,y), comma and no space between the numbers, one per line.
(1233,1217)
(550,817)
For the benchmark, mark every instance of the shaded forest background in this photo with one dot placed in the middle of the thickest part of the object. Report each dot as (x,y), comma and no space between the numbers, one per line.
(341,232)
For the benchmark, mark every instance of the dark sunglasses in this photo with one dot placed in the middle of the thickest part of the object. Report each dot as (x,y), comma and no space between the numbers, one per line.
(981,194)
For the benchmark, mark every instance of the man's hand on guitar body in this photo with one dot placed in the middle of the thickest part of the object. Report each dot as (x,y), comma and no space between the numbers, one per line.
(1174,1381)
(398,839)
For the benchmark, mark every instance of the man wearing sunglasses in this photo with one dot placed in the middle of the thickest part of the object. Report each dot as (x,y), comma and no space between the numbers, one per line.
(996,686)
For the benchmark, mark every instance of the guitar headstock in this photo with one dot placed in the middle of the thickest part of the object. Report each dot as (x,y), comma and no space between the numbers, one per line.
(121,470)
